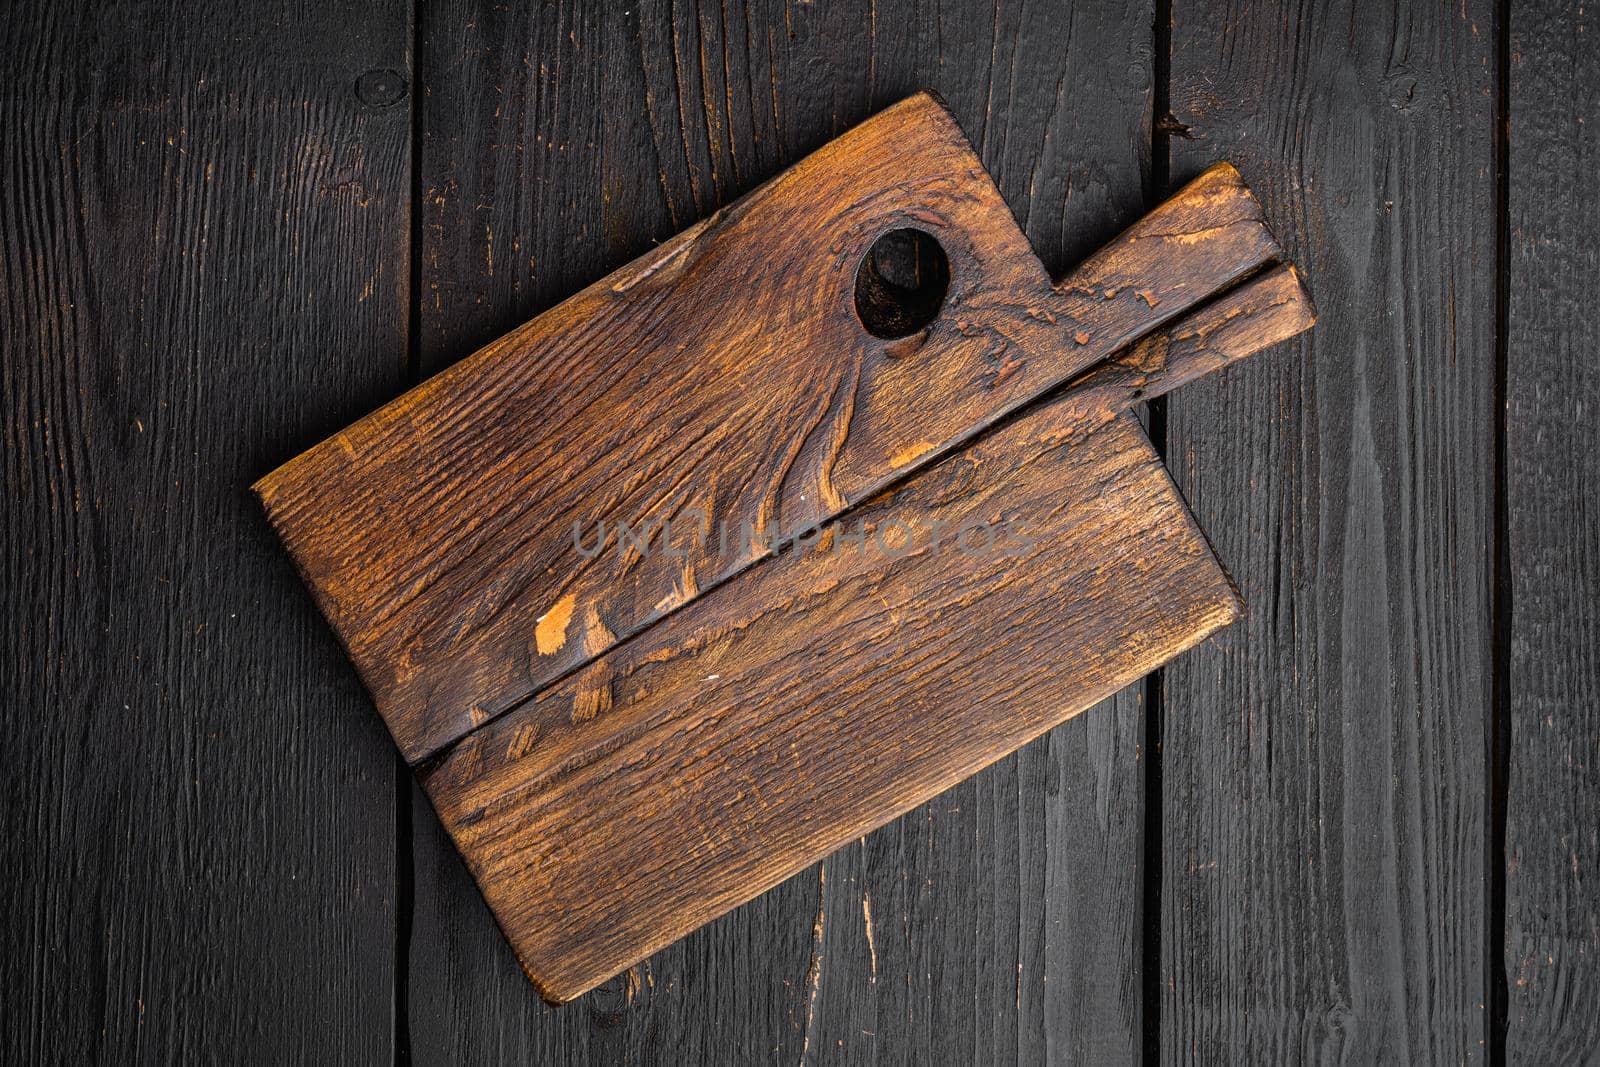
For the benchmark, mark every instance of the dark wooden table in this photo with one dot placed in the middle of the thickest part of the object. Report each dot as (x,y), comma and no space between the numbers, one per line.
(1361,825)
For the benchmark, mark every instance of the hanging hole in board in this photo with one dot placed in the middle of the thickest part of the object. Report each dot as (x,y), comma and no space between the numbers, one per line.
(901,283)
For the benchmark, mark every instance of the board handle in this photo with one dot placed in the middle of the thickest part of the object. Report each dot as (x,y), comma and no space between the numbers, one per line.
(1256,315)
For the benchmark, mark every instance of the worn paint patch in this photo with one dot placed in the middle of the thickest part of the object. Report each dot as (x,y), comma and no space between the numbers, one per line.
(550,631)
(522,741)
(1007,371)
(910,453)
(591,695)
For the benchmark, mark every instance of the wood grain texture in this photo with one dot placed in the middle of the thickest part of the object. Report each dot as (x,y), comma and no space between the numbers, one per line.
(743,743)
(202,871)
(1552,948)
(204,236)
(597,839)
(594,470)
(1325,794)
(1002,919)
(818,695)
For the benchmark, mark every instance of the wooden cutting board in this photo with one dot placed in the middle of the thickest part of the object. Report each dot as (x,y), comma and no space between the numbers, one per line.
(725,560)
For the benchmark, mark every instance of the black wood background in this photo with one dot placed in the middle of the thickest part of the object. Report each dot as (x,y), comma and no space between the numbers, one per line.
(1361,826)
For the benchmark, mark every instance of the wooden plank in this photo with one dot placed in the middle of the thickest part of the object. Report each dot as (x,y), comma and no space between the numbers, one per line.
(1324,777)
(559,143)
(821,694)
(1552,484)
(597,840)
(204,229)
(596,469)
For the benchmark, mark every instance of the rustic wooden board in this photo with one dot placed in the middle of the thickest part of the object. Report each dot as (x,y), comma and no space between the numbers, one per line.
(1552,552)
(203,232)
(998,923)
(1325,796)
(722,380)
(1003,919)
(825,692)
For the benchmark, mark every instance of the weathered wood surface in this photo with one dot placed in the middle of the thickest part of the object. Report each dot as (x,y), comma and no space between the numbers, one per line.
(817,696)
(203,232)
(464,540)
(1001,921)
(1552,551)
(1325,798)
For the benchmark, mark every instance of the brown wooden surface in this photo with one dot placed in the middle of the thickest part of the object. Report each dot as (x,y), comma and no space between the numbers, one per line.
(214,232)
(1001,922)
(723,378)
(819,695)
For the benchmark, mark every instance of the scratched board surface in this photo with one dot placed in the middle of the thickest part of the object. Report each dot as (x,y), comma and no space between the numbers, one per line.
(1003,918)
(1367,830)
